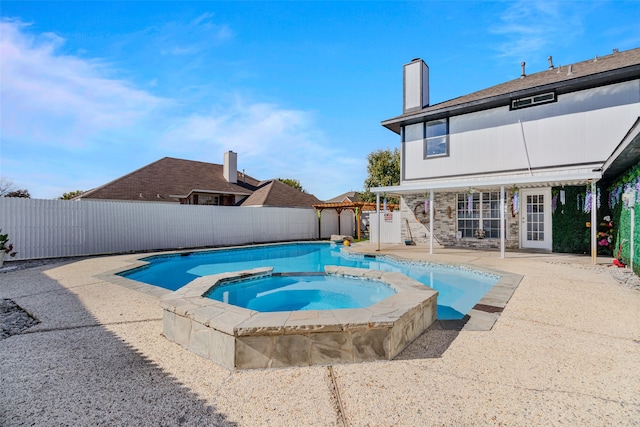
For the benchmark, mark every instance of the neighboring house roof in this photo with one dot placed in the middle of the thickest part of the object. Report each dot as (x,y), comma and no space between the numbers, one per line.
(349,196)
(275,193)
(599,71)
(168,177)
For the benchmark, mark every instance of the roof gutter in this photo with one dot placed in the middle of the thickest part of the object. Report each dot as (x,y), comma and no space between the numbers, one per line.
(488,182)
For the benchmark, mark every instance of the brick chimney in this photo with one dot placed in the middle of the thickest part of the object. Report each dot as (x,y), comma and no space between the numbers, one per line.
(230,168)
(416,85)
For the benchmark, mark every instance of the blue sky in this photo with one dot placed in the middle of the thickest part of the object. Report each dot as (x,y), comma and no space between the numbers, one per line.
(90,91)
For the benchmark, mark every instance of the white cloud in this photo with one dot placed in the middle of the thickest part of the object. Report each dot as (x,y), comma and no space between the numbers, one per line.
(532,27)
(59,100)
(73,121)
(180,39)
(271,142)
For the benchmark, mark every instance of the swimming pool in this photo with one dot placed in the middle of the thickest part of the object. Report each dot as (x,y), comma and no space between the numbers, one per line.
(459,288)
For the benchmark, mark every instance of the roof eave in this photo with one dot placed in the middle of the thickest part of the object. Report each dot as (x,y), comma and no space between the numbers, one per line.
(565,86)
(195,190)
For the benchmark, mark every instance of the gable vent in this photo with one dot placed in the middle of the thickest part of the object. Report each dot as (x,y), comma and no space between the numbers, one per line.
(530,101)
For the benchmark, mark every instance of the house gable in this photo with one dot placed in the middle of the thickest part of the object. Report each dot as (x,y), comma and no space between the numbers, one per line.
(277,194)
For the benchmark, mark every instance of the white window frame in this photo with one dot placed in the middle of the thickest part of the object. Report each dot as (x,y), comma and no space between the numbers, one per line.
(478,214)
(443,137)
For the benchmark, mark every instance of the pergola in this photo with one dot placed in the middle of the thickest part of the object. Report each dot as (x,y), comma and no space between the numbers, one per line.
(356,207)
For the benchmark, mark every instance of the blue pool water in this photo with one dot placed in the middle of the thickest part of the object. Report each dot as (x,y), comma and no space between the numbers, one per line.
(459,289)
(289,293)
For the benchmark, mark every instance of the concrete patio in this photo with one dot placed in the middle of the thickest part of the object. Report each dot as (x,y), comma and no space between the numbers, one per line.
(565,350)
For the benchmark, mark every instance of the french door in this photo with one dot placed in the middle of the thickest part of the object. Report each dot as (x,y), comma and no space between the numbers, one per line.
(535,218)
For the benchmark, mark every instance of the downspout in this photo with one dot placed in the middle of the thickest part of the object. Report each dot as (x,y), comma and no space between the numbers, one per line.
(526,150)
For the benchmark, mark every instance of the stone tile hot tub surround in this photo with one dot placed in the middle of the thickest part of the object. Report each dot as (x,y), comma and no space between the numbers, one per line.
(238,338)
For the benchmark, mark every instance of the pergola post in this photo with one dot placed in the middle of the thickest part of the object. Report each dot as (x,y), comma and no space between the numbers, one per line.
(358,222)
(319,224)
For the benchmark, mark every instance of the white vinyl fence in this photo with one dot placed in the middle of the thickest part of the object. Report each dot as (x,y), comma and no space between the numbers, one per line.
(59,228)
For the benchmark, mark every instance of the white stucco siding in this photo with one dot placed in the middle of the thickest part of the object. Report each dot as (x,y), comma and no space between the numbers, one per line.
(580,128)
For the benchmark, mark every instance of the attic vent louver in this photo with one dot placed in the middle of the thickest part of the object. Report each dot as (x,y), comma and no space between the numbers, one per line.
(530,101)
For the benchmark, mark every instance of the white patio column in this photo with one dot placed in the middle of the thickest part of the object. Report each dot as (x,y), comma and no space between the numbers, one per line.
(594,224)
(502,221)
(431,222)
(378,216)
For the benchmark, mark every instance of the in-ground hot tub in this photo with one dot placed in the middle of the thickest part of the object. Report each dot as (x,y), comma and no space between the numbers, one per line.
(239,338)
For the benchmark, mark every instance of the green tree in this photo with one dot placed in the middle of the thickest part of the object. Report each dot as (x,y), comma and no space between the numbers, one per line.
(383,171)
(71,194)
(292,183)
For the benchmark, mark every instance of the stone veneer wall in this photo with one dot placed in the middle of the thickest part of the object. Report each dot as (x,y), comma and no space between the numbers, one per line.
(445,222)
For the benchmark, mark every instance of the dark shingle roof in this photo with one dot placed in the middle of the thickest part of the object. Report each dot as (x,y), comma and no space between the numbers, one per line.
(598,71)
(353,196)
(275,193)
(167,177)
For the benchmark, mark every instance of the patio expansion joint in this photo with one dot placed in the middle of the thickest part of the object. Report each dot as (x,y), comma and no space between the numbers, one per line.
(335,393)
(96,325)
(53,291)
(534,389)
(537,322)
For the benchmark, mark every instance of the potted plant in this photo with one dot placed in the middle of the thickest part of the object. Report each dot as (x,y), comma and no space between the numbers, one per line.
(6,248)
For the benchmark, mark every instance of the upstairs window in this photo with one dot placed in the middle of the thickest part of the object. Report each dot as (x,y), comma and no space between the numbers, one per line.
(437,138)
(414,132)
(433,134)
(530,101)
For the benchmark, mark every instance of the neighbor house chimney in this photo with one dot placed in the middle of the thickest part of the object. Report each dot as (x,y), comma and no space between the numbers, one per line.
(416,85)
(230,168)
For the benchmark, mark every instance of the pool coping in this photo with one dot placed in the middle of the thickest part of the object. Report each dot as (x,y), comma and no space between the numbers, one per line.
(481,317)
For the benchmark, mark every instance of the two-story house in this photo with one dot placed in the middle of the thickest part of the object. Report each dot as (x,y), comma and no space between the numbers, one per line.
(478,170)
